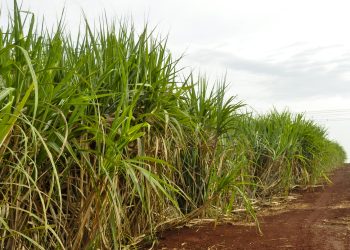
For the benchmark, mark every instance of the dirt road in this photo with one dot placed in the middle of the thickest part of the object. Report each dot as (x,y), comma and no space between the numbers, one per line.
(318,219)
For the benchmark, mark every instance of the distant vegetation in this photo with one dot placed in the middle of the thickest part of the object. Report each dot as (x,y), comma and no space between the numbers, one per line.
(103,143)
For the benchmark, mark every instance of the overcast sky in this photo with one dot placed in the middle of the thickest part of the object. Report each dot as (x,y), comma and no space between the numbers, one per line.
(283,54)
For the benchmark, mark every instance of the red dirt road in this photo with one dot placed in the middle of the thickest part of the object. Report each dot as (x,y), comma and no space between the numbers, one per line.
(318,219)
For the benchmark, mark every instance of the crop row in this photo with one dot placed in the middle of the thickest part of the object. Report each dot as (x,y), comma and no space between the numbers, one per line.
(104,141)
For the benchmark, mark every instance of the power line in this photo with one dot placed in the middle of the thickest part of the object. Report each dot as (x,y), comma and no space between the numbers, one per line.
(333,120)
(328,115)
(330,111)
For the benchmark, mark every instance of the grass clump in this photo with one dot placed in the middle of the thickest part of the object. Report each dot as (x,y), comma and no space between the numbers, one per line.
(287,150)
(101,144)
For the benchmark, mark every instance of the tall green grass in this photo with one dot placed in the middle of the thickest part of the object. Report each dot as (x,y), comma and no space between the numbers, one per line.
(286,150)
(102,144)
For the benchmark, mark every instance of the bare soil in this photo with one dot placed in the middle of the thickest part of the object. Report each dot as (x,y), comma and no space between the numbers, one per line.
(317,219)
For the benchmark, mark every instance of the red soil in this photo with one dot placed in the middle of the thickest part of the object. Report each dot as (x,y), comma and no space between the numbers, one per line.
(318,219)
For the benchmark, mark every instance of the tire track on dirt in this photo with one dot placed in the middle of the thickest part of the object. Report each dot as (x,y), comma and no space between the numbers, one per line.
(331,215)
